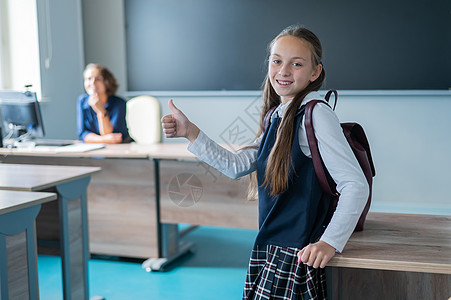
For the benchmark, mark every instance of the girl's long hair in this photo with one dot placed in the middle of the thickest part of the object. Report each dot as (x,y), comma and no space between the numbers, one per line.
(279,160)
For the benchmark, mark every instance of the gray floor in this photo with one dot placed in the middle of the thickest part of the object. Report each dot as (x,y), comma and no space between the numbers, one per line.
(216,270)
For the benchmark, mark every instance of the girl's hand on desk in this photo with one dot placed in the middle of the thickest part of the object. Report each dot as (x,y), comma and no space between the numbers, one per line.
(178,125)
(317,254)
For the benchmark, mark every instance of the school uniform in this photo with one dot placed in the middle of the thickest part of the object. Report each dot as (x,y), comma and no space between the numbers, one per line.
(290,221)
(287,223)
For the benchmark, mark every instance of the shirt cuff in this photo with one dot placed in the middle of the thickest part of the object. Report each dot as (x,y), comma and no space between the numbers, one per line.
(330,242)
(198,146)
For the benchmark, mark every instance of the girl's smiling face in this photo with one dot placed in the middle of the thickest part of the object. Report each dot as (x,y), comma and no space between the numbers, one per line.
(291,67)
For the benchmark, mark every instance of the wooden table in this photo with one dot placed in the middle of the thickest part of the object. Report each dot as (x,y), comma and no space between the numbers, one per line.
(121,198)
(217,200)
(190,191)
(70,183)
(397,256)
(125,193)
(18,253)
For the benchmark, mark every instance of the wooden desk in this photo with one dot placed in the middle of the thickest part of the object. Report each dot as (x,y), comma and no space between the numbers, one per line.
(218,201)
(121,198)
(397,256)
(18,255)
(192,192)
(124,193)
(70,183)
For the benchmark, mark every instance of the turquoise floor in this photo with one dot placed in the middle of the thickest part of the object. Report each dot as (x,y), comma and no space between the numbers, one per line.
(215,271)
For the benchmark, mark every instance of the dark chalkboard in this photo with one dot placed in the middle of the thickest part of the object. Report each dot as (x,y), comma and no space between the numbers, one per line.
(195,45)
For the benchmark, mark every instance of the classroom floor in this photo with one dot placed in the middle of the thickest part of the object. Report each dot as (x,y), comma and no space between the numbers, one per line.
(216,270)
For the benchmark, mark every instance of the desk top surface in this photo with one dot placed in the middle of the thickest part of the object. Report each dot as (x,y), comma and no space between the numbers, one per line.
(114,151)
(133,150)
(14,200)
(400,242)
(38,177)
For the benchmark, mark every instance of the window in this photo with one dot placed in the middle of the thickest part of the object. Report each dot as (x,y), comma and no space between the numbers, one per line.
(19,47)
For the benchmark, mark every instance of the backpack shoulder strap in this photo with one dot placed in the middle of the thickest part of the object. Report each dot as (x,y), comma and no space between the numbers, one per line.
(267,119)
(318,163)
(328,96)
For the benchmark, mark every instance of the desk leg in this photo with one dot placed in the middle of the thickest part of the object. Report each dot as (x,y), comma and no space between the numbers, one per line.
(169,246)
(18,254)
(74,238)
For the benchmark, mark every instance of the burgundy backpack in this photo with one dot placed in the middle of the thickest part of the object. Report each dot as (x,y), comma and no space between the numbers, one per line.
(355,135)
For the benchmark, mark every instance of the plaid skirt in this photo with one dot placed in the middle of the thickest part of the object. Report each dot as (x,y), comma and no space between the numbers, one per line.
(274,273)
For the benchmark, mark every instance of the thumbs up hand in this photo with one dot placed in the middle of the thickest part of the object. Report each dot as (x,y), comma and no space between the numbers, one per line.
(178,125)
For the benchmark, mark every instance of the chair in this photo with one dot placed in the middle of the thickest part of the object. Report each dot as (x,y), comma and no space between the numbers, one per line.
(143,119)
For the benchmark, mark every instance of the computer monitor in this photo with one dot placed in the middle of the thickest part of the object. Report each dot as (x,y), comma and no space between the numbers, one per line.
(21,116)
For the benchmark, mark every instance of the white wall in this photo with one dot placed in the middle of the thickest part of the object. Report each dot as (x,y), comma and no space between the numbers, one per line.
(62,55)
(408,133)
(61,64)
(411,145)
(104,37)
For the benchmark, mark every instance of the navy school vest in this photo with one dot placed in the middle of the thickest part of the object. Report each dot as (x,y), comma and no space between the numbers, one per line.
(296,217)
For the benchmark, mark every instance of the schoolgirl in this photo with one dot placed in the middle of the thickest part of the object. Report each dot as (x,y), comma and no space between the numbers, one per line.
(294,243)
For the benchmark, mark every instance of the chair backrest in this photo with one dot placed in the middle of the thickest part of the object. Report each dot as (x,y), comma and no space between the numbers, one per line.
(143,119)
